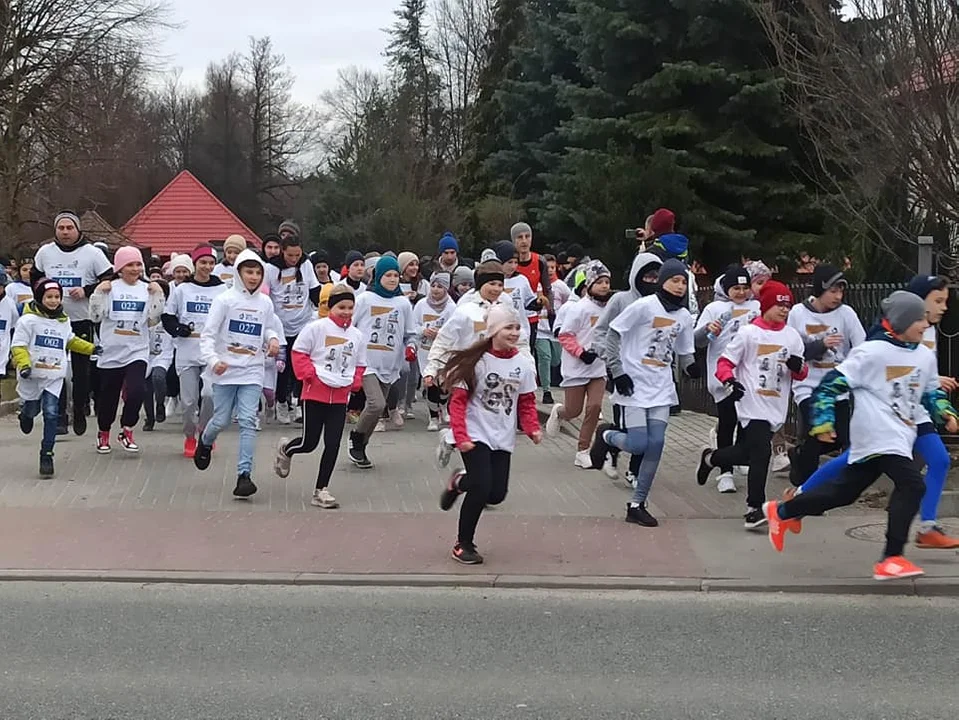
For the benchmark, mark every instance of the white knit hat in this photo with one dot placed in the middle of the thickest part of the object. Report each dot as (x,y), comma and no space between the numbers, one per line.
(499,316)
(183,261)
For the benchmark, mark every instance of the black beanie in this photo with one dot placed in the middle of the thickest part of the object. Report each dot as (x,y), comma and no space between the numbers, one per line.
(505,251)
(352,256)
(825,277)
(734,275)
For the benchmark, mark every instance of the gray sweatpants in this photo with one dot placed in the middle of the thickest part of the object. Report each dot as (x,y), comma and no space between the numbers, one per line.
(376,393)
(190,400)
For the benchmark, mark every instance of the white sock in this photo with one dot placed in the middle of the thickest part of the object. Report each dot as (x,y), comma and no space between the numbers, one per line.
(927,525)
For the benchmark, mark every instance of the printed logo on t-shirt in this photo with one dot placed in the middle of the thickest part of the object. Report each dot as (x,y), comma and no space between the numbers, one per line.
(499,393)
(244,332)
(904,387)
(292,294)
(383,333)
(660,352)
(770,363)
(833,356)
(593,319)
(338,355)
(48,352)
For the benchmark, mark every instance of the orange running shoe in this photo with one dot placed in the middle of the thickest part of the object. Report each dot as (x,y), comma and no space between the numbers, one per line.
(894,568)
(936,539)
(778,526)
(189,447)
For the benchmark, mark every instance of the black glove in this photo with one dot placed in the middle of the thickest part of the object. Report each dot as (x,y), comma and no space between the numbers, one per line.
(693,371)
(25,372)
(736,390)
(535,305)
(183,331)
(588,356)
(624,385)
(794,363)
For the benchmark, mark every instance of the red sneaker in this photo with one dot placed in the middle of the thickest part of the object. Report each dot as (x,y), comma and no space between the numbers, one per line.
(936,539)
(103,442)
(189,447)
(126,440)
(778,526)
(894,568)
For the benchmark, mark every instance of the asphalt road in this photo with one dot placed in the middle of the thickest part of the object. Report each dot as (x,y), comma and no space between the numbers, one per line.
(99,652)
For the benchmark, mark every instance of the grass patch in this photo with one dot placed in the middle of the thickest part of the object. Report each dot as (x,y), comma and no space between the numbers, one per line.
(8,389)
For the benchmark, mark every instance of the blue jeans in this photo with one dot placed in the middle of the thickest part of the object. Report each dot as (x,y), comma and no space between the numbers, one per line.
(645,436)
(49,406)
(246,400)
(928,444)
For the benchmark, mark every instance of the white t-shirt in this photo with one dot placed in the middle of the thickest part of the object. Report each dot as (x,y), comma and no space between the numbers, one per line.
(291,299)
(561,294)
(580,321)
(760,355)
(335,352)
(812,325)
(650,338)
(387,325)
(518,289)
(191,304)
(124,328)
(426,316)
(46,340)
(732,317)
(561,314)
(75,269)
(226,273)
(492,409)
(20,293)
(887,383)
(8,321)
(929,337)
(161,349)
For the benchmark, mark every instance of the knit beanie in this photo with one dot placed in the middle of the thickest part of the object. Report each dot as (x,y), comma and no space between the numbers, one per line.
(594,271)
(902,309)
(440,278)
(461,275)
(489,271)
(505,251)
(518,229)
(237,242)
(922,285)
(499,316)
(320,256)
(67,215)
(671,268)
(271,237)
(41,287)
(353,256)
(448,242)
(166,269)
(662,222)
(289,225)
(126,255)
(404,259)
(825,277)
(575,252)
(758,269)
(734,275)
(674,244)
(183,261)
(774,293)
(201,252)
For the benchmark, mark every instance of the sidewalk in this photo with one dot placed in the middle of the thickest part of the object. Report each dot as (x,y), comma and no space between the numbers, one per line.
(152,516)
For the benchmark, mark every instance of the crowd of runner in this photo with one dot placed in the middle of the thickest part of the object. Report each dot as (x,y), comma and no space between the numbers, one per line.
(247,336)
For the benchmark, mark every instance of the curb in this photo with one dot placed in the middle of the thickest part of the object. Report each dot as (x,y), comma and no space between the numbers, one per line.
(9,407)
(921,587)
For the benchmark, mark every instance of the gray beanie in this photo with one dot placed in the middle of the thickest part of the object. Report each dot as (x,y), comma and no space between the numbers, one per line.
(461,275)
(289,225)
(518,229)
(902,309)
(440,278)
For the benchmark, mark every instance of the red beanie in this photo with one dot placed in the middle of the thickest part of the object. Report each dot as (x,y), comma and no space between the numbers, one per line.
(772,293)
(662,222)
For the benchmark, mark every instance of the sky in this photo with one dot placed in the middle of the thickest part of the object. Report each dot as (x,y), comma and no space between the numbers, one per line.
(317,38)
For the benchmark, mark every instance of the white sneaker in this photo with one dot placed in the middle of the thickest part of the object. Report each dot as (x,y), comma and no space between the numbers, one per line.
(396,417)
(780,461)
(409,414)
(257,425)
(713,437)
(741,470)
(322,498)
(609,467)
(444,450)
(583,460)
(380,426)
(170,406)
(553,422)
(630,479)
(725,483)
(433,426)
(282,413)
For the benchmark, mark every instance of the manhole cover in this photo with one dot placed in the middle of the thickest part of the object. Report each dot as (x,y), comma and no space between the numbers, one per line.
(876,532)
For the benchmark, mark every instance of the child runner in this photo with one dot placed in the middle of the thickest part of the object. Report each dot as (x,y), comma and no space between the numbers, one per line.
(41,341)
(643,281)
(890,376)
(232,247)
(462,282)
(584,374)
(549,352)
(329,357)
(935,292)
(491,385)
(126,308)
(429,316)
(716,327)
(415,288)
(20,291)
(237,329)
(640,347)
(517,288)
(9,312)
(830,330)
(354,268)
(161,357)
(385,319)
(757,370)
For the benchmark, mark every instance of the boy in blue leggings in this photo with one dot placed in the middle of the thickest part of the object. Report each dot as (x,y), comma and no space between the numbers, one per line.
(935,292)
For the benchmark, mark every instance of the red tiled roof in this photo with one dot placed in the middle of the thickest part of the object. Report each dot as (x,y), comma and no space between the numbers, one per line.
(183,215)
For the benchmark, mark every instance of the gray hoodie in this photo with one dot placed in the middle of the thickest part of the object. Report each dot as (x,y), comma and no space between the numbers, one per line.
(620,301)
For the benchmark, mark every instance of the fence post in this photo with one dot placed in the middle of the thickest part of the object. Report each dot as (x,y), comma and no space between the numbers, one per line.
(925,254)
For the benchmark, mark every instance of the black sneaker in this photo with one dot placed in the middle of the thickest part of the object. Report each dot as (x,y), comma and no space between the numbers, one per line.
(452,490)
(26,424)
(466,554)
(244,485)
(161,413)
(794,479)
(202,456)
(46,464)
(754,519)
(148,426)
(357,451)
(79,423)
(547,397)
(597,453)
(639,515)
(702,472)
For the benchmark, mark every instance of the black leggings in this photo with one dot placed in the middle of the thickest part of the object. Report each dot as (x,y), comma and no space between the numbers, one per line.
(903,505)
(486,483)
(328,421)
(132,379)
(752,448)
(805,460)
(726,430)
(287,386)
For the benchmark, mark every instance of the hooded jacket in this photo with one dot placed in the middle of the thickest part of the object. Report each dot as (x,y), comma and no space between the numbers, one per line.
(621,300)
(240,325)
